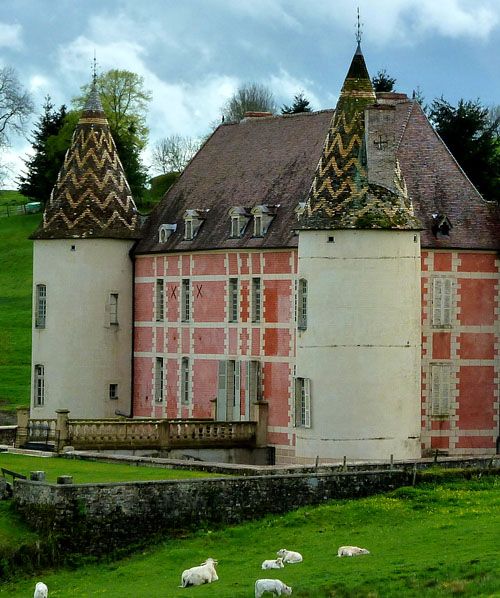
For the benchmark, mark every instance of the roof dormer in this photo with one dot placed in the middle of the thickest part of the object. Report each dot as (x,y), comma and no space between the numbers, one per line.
(299,209)
(165,231)
(193,219)
(239,220)
(262,218)
(441,226)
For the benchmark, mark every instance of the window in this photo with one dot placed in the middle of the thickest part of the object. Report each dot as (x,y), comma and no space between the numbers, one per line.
(113,391)
(257,226)
(440,389)
(262,218)
(185,301)
(41,306)
(185,380)
(159,300)
(441,301)
(256,299)
(229,390)
(233,300)
(235,227)
(239,220)
(302,403)
(159,380)
(302,304)
(165,232)
(188,229)
(113,309)
(39,386)
(253,385)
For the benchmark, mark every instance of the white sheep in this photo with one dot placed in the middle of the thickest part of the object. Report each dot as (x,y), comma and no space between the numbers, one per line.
(351,551)
(276,564)
(41,590)
(196,576)
(276,586)
(289,556)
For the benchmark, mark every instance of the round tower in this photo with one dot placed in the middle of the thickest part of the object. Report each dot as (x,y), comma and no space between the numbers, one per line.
(83,280)
(358,342)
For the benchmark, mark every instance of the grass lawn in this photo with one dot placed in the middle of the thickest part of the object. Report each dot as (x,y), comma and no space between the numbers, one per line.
(16,258)
(85,472)
(431,541)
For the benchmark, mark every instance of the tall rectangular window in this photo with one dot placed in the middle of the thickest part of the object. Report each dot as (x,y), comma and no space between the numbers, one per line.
(159,300)
(253,386)
(302,304)
(113,391)
(159,380)
(186,301)
(256,299)
(440,389)
(257,226)
(113,309)
(441,301)
(233,300)
(302,403)
(41,306)
(188,229)
(185,380)
(229,390)
(39,386)
(235,227)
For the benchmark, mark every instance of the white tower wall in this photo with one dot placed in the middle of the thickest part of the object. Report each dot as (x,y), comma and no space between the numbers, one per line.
(361,349)
(81,352)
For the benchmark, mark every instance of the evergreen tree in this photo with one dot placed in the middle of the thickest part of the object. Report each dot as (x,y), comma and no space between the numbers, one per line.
(300,104)
(43,166)
(472,137)
(383,82)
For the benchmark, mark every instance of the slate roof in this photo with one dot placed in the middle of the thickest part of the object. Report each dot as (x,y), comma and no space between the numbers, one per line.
(272,161)
(91,197)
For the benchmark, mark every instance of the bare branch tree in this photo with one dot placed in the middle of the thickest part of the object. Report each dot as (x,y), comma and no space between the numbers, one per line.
(250,97)
(16,105)
(171,154)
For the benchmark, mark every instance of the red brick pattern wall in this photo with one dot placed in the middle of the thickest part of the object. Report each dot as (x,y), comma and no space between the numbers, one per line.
(210,337)
(469,345)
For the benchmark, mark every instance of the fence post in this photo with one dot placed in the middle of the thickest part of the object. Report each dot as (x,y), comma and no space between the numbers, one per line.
(62,428)
(262,417)
(23,420)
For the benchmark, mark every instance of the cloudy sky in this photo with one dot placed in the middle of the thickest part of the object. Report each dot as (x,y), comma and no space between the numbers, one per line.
(193,54)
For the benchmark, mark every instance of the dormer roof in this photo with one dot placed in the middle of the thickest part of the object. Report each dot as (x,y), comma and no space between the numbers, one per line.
(91,198)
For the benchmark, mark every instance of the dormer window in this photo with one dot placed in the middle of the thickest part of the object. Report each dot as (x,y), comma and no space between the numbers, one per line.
(262,218)
(442,226)
(299,210)
(193,219)
(165,232)
(239,220)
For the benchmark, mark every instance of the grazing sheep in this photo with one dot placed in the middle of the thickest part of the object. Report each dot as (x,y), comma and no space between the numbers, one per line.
(41,590)
(276,564)
(196,576)
(351,551)
(289,556)
(275,586)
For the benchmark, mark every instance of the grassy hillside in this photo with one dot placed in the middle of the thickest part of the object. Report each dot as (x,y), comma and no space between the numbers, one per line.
(16,258)
(426,542)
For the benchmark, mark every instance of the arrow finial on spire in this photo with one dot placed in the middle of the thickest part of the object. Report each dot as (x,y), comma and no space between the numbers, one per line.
(358,30)
(94,75)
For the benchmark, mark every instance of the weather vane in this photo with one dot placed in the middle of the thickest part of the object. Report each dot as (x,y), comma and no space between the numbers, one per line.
(358,30)
(94,74)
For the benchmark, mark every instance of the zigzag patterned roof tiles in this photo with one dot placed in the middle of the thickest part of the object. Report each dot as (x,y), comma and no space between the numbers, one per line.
(341,195)
(91,198)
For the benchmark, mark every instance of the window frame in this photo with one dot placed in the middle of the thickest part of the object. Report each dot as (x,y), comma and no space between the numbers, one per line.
(39,385)
(41,306)
(256,300)
(186,300)
(442,301)
(185,381)
(160,299)
(302,291)
(158,380)
(233,301)
(113,391)
(113,309)
(441,381)
(302,402)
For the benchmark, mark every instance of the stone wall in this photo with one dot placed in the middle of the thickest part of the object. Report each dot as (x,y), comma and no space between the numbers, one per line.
(8,435)
(98,518)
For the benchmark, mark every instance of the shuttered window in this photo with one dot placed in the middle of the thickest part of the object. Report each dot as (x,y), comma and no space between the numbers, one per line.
(253,385)
(441,301)
(302,403)
(302,304)
(256,299)
(233,300)
(229,390)
(441,389)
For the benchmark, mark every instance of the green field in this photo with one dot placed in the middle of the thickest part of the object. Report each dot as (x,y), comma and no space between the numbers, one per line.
(85,472)
(16,258)
(430,541)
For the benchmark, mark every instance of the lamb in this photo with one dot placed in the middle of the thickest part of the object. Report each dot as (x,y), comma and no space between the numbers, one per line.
(289,556)
(275,586)
(41,590)
(196,576)
(276,564)
(351,551)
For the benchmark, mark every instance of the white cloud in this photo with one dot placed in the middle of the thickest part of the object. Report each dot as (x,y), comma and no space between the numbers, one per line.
(284,85)
(10,36)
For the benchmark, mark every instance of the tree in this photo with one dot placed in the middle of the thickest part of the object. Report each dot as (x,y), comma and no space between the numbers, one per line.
(250,97)
(16,106)
(125,103)
(472,137)
(44,165)
(383,82)
(171,154)
(300,104)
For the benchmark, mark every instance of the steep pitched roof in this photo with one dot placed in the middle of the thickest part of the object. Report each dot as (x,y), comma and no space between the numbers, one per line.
(342,196)
(91,197)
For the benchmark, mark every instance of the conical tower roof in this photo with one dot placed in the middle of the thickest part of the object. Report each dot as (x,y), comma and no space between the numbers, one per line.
(91,198)
(341,195)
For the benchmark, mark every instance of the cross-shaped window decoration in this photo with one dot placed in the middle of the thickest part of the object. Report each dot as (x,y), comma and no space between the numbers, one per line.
(380,143)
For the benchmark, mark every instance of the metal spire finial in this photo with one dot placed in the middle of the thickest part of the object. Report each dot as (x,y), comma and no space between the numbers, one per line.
(358,30)
(94,75)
